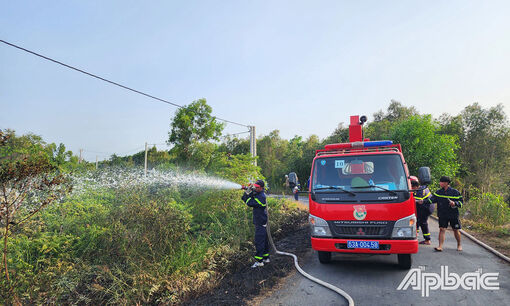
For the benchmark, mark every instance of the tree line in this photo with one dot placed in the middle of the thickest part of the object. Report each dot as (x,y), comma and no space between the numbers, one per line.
(473,147)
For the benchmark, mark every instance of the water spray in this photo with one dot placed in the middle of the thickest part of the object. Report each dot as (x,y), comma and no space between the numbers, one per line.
(119,178)
(132,178)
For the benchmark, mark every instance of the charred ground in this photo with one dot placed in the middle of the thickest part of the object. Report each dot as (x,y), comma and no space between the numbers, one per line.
(241,283)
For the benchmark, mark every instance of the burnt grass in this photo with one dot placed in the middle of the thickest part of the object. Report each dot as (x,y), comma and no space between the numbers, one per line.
(241,283)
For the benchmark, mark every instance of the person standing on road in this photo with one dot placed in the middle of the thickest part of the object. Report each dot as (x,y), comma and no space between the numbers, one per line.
(293,181)
(423,207)
(448,200)
(256,198)
(296,193)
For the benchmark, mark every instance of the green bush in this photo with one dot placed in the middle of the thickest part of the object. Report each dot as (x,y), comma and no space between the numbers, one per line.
(487,208)
(38,261)
(144,245)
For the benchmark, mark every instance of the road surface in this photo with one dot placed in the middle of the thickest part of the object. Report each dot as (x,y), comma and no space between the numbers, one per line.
(373,280)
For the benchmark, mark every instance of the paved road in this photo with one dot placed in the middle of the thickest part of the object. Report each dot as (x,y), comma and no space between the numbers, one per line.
(373,280)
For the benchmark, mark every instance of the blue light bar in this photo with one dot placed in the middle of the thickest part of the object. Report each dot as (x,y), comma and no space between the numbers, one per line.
(377,143)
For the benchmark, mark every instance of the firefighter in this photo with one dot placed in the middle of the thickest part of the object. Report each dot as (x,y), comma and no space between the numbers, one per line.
(448,200)
(423,207)
(255,197)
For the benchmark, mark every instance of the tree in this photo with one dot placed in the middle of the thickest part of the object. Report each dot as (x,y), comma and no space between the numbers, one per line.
(303,166)
(155,157)
(485,147)
(451,125)
(293,154)
(201,154)
(192,125)
(120,162)
(28,183)
(271,150)
(423,145)
(63,159)
(238,168)
(3,138)
(396,111)
(379,128)
(234,145)
(341,134)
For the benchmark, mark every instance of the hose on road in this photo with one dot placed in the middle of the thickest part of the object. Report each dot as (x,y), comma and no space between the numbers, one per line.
(482,244)
(314,279)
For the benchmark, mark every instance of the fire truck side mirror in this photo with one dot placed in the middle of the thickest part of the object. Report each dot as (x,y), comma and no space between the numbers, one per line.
(424,175)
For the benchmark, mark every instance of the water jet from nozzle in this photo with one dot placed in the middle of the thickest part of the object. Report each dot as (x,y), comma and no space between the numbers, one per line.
(119,178)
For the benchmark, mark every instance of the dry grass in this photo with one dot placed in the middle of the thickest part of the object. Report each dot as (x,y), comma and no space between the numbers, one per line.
(496,237)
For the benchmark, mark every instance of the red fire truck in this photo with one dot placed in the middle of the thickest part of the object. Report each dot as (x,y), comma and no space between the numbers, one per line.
(360,200)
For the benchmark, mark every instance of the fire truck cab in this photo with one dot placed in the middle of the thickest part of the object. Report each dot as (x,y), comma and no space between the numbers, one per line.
(360,200)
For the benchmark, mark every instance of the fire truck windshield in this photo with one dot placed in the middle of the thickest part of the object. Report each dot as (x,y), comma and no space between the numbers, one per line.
(359,173)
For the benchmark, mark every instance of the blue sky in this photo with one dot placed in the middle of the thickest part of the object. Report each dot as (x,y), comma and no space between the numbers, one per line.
(300,67)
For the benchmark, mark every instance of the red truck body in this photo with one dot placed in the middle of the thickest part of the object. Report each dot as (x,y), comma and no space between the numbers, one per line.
(360,201)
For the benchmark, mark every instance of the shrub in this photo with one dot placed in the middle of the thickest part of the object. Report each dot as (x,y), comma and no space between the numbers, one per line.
(487,208)
(155,244)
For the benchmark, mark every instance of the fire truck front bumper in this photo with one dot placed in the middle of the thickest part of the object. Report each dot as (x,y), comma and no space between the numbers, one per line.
(365,246)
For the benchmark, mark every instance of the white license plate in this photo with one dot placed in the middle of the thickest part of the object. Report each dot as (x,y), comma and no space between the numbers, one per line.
(362,244)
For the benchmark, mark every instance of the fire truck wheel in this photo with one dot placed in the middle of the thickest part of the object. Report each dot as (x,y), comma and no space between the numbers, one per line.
(324,257)
(405,261)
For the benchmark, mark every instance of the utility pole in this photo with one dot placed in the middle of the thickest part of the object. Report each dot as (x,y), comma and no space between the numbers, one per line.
(253,143)
(96,162)
(79,160)
(146,159)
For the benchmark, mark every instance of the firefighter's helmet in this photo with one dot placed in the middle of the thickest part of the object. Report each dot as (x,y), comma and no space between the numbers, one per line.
(414,181)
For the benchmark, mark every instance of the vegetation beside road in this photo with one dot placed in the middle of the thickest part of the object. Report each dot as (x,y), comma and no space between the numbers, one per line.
(135,245)
(487,217)
(149,244)
(145,244)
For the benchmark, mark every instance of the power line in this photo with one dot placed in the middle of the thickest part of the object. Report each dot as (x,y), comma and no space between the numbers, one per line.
(106,80)
(233,134)
(116,153)
(141,148)
(95,152)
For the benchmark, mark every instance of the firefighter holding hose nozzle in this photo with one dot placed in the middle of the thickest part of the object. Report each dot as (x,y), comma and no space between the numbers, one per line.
(255,197)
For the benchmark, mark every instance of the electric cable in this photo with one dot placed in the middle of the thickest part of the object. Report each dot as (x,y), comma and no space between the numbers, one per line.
(106,80)
(310,277)
(96,152)
(142,149)
(233,134)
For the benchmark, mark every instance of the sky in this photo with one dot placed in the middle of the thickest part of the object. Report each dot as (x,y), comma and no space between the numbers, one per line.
(301,67)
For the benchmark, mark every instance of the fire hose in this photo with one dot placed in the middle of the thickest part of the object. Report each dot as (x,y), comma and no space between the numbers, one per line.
(310,277)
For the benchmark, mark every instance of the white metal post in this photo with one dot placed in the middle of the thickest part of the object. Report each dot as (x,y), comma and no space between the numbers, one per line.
(253,144)
(145,159)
